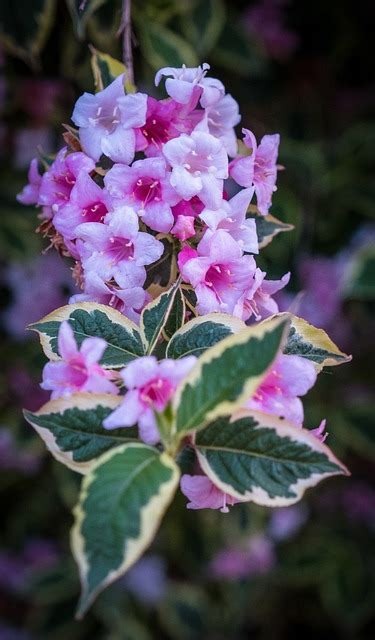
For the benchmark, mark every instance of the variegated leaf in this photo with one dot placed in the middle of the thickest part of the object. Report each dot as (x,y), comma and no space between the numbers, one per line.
(89,319)
(201,333)
(120,508)
(227,374)
(155,316)
(263,459)
(72,428)
(312,343)
(267,226)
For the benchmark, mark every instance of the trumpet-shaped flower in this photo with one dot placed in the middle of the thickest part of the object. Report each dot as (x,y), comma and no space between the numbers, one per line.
(126,295)
(107,121)
(78,369)
(165,119)
(218,271)
(87,203)
(199,165)
(59,180)
(203,494)
(231,217)
(30,192)
(257,302)
(279,393)
(219,120)
(145,186)
(259,168)
(188,85)
(150,385)
(106,248)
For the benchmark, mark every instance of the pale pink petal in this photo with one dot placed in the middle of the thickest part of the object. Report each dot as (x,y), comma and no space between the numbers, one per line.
(66,343)
(203,494)
(92,350)
(140,371)
(127,414)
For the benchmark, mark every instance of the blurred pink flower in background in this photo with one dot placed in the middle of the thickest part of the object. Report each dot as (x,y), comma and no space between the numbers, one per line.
(257,558)
(266,23)
(46,279)
(14,457)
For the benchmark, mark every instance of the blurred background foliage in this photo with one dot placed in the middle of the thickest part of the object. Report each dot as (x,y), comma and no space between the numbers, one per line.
(305,70)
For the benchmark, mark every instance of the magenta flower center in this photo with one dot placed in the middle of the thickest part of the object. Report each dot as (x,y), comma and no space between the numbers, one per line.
(77,372)
(156,393)
(147,190)
(156,131)
(95,212)
(218,277)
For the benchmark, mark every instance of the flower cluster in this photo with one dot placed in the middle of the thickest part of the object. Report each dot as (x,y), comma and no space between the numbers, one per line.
(143,168)
(142,171)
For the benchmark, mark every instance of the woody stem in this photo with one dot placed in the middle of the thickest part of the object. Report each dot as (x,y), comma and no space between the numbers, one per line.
(126,31)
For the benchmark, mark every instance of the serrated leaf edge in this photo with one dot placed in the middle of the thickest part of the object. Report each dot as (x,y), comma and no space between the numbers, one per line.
(83,401)
(284,429)
(151,516)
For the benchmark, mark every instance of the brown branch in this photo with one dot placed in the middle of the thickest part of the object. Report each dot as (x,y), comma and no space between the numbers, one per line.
(126,30)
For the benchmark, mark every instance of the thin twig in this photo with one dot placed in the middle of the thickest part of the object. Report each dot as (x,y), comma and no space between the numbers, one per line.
(126,30)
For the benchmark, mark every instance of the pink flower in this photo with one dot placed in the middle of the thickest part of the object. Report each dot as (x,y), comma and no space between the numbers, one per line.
(126,295)
(79,369)
(219,120)
(199,165)
(150,385)
(107,121)
(259,168)
(106,248)
(30,192)
(319,432)
(188,85)
(279,393)
(257,301)
(145,186)
(233,563)
(59,180)
(203,494)
(231,217)
(217,270)
(87,203)
(185,212)
(165,119)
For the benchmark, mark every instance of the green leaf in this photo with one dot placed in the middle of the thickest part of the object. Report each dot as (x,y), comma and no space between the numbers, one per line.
(235,51)
(227,374)
(155,316)
(312,343)
(202,26)
(25,27)
(72,428)
(199,334)
(105,69)
(162,273)
(162,47)
(89,319)
(176,317)
(267,226)
(81,12)
(360,280)
(121,505)
(263,459)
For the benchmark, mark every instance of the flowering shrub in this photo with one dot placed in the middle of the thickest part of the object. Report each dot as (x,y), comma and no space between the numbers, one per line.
(176,341)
